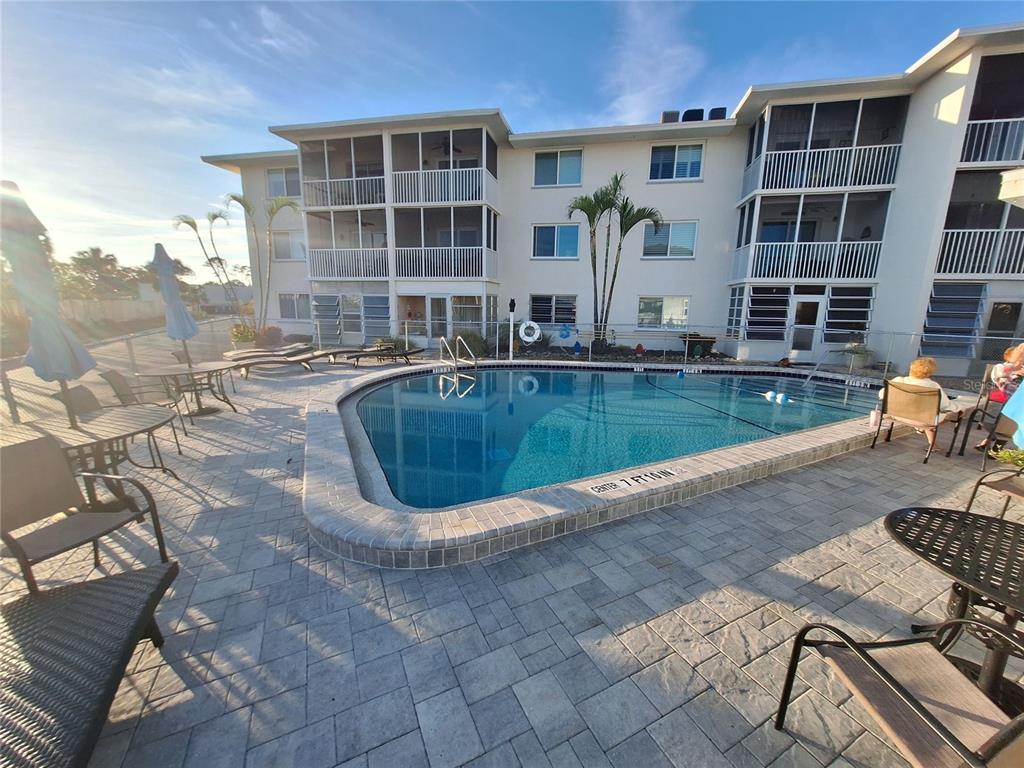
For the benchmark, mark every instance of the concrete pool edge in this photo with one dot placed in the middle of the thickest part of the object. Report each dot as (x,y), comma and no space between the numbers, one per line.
(343,522)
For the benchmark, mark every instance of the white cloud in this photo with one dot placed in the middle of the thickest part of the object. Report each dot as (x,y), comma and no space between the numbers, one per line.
(194,86)
(283,37)
(650,65)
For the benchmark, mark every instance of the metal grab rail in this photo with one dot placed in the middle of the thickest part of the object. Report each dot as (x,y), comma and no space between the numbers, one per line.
(454,379)
(472,357)
(451,359)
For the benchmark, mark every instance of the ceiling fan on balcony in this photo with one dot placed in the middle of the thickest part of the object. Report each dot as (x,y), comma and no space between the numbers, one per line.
(446,145)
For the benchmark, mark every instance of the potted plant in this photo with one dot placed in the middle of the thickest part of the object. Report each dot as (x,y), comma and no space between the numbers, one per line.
(860,355)
(243,336)
(1012,456)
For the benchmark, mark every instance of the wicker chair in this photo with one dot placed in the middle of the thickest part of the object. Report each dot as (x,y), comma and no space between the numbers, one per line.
(37,484)
(145,394)
(933,713)
(914,406)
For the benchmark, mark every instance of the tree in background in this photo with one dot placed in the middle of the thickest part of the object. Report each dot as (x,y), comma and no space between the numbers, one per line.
(184,220)
(274,207)
(212,217)
(93,274)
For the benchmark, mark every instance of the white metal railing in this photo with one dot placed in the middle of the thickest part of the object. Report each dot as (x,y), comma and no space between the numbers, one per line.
(455,185)
(330,263)
(982,252)
(857,260)
(868,166)
(993,141)
(740,262)
(334,193)
(751,176)
(459,261)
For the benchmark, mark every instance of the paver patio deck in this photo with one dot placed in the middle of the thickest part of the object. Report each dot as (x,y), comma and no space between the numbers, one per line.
(657,640)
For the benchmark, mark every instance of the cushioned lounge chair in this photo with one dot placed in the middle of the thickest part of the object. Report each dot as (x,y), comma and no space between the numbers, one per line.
(934,714)
(290,349)
(36,484)
(304,359)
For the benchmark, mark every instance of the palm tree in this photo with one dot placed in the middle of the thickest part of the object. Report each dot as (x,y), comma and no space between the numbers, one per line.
(184,220)
(629,216)
(250,218)
(609,196)
(212,217)
(274,206)
(593,207)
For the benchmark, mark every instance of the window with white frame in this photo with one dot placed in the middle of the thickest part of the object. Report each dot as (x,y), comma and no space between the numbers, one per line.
(662,311)
(551,309)
(848,313)
(735,318)
(558,169)
(672,240)
(294,306)
(288,246)
(283,182)
(682,161)
(556,241)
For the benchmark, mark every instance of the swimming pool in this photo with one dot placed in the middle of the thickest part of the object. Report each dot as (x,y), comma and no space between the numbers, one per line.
(507,430)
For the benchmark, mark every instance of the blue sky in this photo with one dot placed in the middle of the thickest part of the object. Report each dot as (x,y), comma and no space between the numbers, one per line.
(107,107)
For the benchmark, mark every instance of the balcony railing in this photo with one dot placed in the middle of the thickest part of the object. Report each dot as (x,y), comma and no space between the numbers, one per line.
(333,263)
(868,166)
(456,185)
(994,141)
(460,261)
(808,261)
(982,253)
(334,193)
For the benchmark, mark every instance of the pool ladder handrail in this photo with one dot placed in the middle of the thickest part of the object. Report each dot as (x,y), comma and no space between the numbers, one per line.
(454,360)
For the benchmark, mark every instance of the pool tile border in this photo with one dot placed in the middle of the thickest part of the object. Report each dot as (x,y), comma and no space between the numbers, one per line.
(388,534)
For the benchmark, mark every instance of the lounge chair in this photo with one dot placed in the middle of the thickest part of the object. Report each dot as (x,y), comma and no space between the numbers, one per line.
(290,349)
(914,406)
(37,484)
(154,393)
(304,359)
(63,654)
(385,353)
(933,713)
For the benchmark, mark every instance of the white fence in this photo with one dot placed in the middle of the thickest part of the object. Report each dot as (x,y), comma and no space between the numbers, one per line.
(982,253)
(834,261)
(457,185)
(993,141)
(330,263)
(867,166)
(334,193)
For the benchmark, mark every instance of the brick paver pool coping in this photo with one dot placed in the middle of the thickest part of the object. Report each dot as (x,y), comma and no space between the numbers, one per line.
(375,528)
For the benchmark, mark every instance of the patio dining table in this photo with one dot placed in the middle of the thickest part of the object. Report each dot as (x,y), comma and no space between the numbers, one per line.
(100,443)
(195,379)
(984,556)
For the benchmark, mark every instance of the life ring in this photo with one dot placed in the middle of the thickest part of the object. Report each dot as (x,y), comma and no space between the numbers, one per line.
(529,332)
(528,385)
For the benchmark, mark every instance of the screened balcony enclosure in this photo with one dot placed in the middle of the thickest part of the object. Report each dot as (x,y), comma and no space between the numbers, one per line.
(446,242)
(983,236)
(342,172)
(450,166)
(831,236)
(995,129)
(345,244)
(825,145)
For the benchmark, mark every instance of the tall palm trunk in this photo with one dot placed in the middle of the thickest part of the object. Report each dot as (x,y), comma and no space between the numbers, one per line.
(629,216)
(188,221)
(229,288)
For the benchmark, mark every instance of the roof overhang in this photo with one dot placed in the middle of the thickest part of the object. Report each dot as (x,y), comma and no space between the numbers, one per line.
(234,163)
(648,132)
(937,59)
(1011,189)
(491,118)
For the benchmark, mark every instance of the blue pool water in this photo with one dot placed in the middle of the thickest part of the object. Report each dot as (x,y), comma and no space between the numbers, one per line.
(518,429)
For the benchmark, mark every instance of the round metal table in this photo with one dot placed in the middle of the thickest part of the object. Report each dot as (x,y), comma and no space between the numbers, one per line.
(195,379)
(984,556)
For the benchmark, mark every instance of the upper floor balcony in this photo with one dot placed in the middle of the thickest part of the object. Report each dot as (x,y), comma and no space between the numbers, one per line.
(808,261)
(983,236)
(444,166)
(342,173)
(451,262)
(444,185)
(344,263)
(995,127)
(825,145)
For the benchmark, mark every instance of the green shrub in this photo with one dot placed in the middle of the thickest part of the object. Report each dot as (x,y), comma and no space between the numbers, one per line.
(243,333)
(269,336)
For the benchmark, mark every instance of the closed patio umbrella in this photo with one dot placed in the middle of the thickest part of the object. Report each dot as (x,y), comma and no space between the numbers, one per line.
(180,324)
(54,353)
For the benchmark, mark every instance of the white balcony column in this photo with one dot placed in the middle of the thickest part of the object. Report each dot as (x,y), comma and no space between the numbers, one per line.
(389,226)
(839,231)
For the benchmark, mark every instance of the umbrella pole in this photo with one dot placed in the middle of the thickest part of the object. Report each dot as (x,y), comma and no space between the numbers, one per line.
(67,403)
(188,357)
(12,404)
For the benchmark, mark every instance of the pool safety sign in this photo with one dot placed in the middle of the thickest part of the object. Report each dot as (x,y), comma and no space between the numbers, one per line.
(633,480)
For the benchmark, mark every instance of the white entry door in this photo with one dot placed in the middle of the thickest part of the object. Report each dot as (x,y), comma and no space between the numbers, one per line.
(806,321)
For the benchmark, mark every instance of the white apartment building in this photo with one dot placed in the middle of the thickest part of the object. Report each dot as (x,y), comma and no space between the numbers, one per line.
(818,213)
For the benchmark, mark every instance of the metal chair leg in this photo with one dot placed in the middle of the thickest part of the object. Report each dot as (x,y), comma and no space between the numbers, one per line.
(1006,506)
(95,553)
(787,686)
(174,431)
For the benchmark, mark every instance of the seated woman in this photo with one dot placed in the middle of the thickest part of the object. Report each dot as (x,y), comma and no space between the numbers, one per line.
(1006,375)
(919,375)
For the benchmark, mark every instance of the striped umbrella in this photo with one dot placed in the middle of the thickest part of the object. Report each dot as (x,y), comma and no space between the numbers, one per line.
(54,353)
